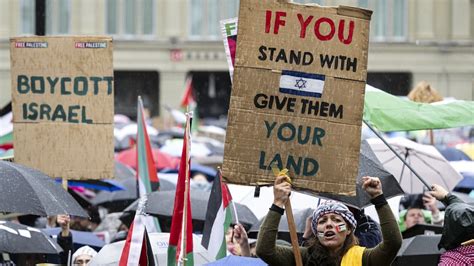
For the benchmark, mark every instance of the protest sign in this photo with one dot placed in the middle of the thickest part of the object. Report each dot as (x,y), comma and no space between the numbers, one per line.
(297,96)
(63,105)
(229,34)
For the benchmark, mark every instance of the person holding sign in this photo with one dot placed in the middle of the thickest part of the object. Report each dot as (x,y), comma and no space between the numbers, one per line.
(333,227)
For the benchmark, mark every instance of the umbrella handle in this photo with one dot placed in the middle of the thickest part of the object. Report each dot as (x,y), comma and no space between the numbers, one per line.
(294,237)
(396,154)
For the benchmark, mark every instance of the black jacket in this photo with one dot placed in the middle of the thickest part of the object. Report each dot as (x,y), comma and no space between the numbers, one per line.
(458,223)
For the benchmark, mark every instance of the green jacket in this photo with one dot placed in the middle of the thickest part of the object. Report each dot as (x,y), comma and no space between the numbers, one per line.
(383,254)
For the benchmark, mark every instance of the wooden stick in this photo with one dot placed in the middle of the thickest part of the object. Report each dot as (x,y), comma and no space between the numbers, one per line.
(294,237)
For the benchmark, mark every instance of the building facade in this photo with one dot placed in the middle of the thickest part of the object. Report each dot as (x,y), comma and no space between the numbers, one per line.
(159,43)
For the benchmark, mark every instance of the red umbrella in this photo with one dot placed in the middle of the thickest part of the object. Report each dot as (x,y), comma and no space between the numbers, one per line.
(162,160)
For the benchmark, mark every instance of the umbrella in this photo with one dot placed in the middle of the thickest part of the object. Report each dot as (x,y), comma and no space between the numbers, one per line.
(119,200)
(238,261)
(161,159)
(467,183)
(453,154)
(369,165)
(26,190)
(161,203)
(97,184)
(283,230)
(390,113)
(196,168)
(466,168)
(131,130)
(467,148)
(79,238)
(110,253)
(123,171)
(174,147)
(18,238)
(259,205)
(424,159)
(419,250)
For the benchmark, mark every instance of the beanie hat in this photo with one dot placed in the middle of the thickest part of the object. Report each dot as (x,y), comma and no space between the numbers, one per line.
(332,207)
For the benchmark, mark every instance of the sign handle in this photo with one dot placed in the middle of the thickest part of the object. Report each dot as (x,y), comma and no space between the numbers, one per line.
(294,237)
(65,183)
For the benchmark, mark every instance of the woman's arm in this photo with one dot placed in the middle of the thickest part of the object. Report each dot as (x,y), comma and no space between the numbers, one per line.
(385,252)
(267,250)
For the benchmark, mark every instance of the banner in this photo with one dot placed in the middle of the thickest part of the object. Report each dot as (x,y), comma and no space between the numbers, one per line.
(63,105)
(298,95)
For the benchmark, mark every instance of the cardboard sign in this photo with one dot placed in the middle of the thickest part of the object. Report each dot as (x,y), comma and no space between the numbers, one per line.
(63,105)
(297,96)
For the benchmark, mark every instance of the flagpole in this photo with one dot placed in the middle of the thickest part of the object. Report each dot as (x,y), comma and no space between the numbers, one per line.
(235,213)
(186,191)
(396,153)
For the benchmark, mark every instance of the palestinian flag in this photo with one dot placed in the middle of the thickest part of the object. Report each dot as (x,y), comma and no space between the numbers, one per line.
(181,234)
(188,98)
(137,248)
(146,172)
(218,219)
(189,104)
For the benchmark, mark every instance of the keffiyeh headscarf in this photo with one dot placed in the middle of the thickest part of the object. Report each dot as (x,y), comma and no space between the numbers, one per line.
(332,207)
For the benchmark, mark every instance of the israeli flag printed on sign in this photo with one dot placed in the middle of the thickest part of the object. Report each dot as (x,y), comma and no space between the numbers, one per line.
(302,84)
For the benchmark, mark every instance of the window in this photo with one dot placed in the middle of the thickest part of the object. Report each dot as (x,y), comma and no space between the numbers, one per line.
(58,14)
(396,83)
(212,93)
(27,17)
(206,14)
(389,20)
(129,84)
(130,18)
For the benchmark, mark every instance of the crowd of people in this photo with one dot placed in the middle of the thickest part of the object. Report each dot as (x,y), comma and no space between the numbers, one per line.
(338,235)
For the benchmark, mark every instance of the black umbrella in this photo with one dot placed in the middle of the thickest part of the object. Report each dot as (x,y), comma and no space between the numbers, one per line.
(283,230)
(419,250)
(369,165)
(161,203)
(18,238)
(29,191)
(123,171)
(119,200)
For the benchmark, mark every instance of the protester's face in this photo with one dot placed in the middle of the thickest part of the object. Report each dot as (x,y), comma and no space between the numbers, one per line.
(413,217)
(82,260)
(332,237)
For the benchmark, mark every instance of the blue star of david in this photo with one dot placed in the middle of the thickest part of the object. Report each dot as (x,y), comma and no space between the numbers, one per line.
(300,83)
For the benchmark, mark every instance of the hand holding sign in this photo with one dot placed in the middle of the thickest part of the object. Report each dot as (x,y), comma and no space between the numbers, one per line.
(281,191)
